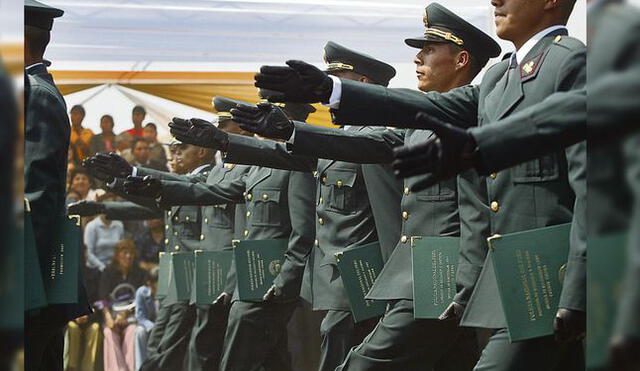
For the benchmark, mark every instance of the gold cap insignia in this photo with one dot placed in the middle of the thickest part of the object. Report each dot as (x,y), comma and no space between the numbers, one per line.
(338,66)
(425,18)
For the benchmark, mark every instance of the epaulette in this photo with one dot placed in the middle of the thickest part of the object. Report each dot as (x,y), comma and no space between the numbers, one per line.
(568,42)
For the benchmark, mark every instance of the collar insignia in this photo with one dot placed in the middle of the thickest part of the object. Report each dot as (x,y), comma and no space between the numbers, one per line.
(529,68)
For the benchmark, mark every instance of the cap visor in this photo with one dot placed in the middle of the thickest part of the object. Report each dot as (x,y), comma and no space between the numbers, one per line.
(418,42)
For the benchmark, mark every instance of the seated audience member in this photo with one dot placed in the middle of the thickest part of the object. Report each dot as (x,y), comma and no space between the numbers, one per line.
(81,182)
(150,243)
(145,315)
(141,155)
(106,140)
(80,139)
(123,146)
(121,276)
(157,152)
(101,236)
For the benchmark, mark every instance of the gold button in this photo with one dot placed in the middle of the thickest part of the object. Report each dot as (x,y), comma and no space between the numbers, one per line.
(339,183)
(244,194)
(175,233)
(321,221)
(201,237)
(166,227)
(405,215)
(315,173)
(404,239)
(169,213)
(206,220)
(265,196)
(407,190)
(248,214)
(493,175)
(176,247)
(557,39)
(495,206)
(321,200)
(249,196)
(316,242)
(166,241)
(186,218)
(324,179)
(246,233)
(175,219)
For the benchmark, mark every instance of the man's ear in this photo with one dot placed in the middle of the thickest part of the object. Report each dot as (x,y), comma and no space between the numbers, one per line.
(365,80)
(463,59)
(551,4)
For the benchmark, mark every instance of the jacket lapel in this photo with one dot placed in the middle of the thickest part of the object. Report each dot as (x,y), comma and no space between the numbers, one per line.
(262,174)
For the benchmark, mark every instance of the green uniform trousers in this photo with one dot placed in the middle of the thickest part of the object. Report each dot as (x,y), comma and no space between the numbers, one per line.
(256,337)
(172,349)
(157,331)
(400,342)
(340,334)
(207,337)
(541,354)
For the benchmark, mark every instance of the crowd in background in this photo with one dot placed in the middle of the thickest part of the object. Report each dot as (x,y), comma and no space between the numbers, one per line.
(120,258)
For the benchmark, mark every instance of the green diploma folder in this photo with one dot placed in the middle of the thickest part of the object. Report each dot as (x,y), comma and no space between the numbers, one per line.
(605,281)
(258,263)
(529,268)
(62,273)
(434,265)
(359,267)
(210,276)
(35,295)
(164,265)
(180,277)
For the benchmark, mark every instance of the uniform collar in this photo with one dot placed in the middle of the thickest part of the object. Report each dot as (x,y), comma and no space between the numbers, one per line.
(199,169)
(36,68)
(521,54)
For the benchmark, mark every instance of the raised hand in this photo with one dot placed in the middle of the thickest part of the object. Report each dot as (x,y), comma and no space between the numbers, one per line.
(86,208)
(265,119)
(300,82)
(199,132)
(109,163)
(143,186)
(448,152)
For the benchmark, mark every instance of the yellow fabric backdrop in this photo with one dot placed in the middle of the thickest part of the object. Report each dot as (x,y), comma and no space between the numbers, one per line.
(195,89)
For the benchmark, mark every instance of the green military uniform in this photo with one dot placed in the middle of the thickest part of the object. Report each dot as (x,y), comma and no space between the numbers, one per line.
(355,205)
(278,206)
(46,136)
(169,337)
(531,195)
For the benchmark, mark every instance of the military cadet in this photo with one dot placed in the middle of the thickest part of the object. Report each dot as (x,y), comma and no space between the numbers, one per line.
(546,61)
(398,342)
(355,204)
(168,344)
(278,206)
(46,135)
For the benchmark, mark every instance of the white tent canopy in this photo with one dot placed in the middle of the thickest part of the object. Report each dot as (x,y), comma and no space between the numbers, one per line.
(118,101)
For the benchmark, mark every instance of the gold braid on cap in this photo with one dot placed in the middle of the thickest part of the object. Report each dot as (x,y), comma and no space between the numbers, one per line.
(224,116)
(445,35)
(338,66)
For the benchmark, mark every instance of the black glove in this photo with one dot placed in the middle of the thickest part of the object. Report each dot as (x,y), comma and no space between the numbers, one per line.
(143,186)
(298,83)
(90,165)
(570,325)
(447,153)
(200,133)
(110,164)
(86,208)
(624,353)
(265,119)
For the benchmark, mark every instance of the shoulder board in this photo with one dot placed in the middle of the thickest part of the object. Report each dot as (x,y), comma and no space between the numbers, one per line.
(568,42)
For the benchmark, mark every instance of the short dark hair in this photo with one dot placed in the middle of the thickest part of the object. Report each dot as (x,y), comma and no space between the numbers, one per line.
(139,109)
(78,108)
(152,125)
(475,64)
(135,141)
(110,118)
(81,171)
(37,39)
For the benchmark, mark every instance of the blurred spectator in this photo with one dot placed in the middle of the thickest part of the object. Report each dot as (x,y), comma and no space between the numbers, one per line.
(83,334)
(80,136)
(150,244)
(123,146)
(101,236)
(106,140)
(156,150)
(119,323)
(72,196)
(140,152)
(82,183)
(145,315)
(137,116)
